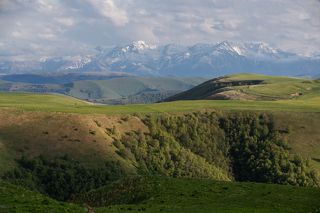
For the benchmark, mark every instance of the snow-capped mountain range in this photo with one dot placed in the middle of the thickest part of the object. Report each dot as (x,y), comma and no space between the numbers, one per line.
(140,58)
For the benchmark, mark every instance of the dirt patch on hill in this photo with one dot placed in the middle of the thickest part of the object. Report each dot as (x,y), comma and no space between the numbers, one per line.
(232,95)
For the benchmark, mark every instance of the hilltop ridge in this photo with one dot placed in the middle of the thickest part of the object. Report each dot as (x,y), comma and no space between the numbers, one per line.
(246,86)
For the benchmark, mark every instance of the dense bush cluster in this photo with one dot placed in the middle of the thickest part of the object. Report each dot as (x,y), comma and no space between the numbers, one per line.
(198,132)
(159,153)
(62,177)
(245,147)
(129,190)
(258,154)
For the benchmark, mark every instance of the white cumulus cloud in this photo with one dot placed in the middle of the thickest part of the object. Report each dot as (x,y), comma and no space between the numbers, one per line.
(63,27)
(110,10)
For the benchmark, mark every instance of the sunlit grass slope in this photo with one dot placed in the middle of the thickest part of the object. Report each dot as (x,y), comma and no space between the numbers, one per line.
(252,87)
(59,103)
(275,87)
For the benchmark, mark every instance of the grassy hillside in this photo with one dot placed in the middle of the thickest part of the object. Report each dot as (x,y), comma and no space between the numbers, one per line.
(86,138)
(271,138)
(46,112)
(195,195)
(252,87)
(60,103)
(168,195)
(19,200)
(90,138)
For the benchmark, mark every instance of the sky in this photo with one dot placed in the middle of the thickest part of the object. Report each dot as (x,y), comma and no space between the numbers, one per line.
(44,28)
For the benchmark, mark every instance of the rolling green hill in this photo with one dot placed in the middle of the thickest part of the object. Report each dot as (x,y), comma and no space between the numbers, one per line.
(300,114)
(46,139)
(163,194)
(252,87)
(17,199)
(94,139)
(130,90)
(60,103)
(196,195)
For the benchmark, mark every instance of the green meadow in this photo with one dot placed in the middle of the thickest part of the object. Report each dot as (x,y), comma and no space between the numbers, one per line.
(161,194)
(61,103)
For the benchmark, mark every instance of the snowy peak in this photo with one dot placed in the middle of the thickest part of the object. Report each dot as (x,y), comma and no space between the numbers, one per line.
(65,63)
(76,62)
(230,47)
(201,59)
(262,49)
(253,49)
(141,45)
(137,46)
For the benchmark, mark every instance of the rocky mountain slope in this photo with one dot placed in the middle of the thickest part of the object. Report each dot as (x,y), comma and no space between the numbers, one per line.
(140,58)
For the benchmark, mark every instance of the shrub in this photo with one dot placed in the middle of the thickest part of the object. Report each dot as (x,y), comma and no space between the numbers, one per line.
(62,177)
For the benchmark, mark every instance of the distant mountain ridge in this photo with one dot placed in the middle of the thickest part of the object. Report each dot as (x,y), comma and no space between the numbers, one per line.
(140,58)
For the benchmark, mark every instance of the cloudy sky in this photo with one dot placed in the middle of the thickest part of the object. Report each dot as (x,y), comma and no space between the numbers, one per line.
(32,28)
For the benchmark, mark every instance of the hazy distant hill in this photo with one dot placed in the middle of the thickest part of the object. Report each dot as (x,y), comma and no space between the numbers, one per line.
(130,90)
(59,78)
(108,89)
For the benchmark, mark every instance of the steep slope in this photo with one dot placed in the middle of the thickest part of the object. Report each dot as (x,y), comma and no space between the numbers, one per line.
(95,139)
(251,87)
(87,139)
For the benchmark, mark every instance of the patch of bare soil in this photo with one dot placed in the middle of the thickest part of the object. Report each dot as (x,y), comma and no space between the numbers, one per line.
(232,95)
